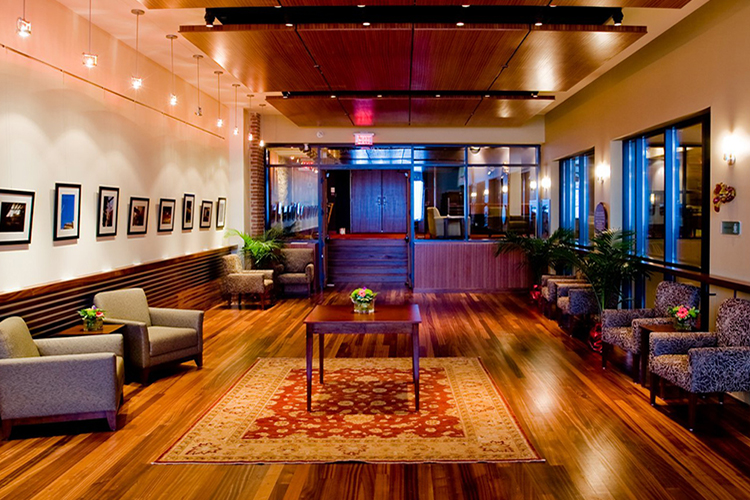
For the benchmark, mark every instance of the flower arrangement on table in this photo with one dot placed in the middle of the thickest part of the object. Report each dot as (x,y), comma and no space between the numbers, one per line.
(684,317)
(93,318)
(364,300)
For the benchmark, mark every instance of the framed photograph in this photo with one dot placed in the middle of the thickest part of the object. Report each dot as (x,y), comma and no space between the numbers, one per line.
(108,208)
(138,217)
(67,211)
(16,216)
(206,209)
(188,208)
(221,213)
(166,215)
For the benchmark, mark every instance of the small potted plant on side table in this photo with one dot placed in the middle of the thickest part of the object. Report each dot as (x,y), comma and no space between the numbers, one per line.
(93,319)
(364,300)
(684,317)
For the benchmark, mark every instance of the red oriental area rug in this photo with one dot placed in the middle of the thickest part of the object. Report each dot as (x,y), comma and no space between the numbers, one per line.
(364,412)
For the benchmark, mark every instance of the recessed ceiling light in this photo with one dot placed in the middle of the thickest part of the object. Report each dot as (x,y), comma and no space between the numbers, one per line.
(361,6)
(380,95)
(459,24)
(277,6)
(365,24)
(466,6)
(538,23)
(486,95)
(437,95)
(333,96)
(289,25)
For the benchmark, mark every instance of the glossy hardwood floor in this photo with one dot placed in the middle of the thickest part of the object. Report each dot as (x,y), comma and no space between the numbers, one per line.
(600,437)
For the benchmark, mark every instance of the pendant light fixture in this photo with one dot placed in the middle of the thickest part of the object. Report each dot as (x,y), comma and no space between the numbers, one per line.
(89,58)
(219,121)
(136,81)
(250,107)
(198,57)
(236,105)
(23,27)
(173,94)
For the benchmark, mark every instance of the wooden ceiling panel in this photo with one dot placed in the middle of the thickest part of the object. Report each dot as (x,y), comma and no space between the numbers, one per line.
(342,3)
(355,57)
(266,58)
(507,112)
(378,112)
(443,111)
(555,58)
(515,3)
(313,111)
(447,57)
(654,4)
(199,4)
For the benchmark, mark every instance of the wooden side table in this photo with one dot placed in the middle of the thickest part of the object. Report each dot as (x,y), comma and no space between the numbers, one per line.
(78,331)
(646,331)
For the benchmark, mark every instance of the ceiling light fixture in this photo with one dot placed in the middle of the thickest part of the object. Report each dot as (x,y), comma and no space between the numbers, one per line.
(236,104)
(198,57)
(89,59)
(23,27)
(136,81)
(617,18)
(277,6)
(250,107)
(210,18)
(380,95)
(173,95)
(459,24)
(219,121)
(365,24)
(437,95)
(333,96)
(466,6)
(535,95)
(361,6)
(289,25)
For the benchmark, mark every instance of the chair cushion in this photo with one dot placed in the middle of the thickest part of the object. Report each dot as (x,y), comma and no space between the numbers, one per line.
(130,304)
(15,340)
(296,259)
(623,337)
(293,279)
(674,368)
(166,339)
(267,284)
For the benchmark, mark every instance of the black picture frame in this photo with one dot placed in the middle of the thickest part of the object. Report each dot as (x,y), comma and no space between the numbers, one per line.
(108,211)
(67,216)
(16,216)
(138,215)
(221,213)
(165,221)
(206,217)
(188,211)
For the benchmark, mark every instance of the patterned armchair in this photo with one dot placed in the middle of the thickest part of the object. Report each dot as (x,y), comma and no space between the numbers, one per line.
(550,284)
(49,380)
(575,302)
(297,273)
(622,328)
(705,363)
(237,281)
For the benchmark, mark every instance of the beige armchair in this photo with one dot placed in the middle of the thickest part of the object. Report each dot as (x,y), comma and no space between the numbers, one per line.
(237,281)
(297,273)
(153,336)
(447,226)
(52,380)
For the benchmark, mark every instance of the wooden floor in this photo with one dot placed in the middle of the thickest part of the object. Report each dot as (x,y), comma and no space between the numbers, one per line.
(600,437)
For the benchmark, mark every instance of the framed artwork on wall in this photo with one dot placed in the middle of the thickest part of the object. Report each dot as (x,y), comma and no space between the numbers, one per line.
(16,216)
(206,209)
(67,212)
(188,209)
(108,211)
(221,213)
(166,215)
(138,217)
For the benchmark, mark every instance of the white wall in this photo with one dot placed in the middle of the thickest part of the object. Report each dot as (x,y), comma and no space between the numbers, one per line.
(57,128)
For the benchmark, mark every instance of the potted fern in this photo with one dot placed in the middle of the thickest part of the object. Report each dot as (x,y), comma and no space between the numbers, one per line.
(262,251)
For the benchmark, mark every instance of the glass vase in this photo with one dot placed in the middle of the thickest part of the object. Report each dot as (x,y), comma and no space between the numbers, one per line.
(364,307)
(682,326)
(93,324)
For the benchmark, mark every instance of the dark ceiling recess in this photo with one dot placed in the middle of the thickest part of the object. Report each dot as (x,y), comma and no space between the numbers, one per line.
(476,14)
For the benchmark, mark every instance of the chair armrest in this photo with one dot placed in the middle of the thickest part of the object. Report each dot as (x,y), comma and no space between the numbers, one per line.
(58,385)
(244,283)
(624,317)
(583,301)
(679,343)
(112,343)
(310,272)
(265,273)
(278,269)
(563,290)
(720,369)
(137,345)
(178,318)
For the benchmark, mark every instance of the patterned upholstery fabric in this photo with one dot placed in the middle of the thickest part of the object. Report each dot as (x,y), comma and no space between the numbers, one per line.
(580,301)
(236,280)
(298,271)
(15,339)
(733,323)
(130,304)
(296,259)
(554,284)
(670,294)
(232,264)
(293,279)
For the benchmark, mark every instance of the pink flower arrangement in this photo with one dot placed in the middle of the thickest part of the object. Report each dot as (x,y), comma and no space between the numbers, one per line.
(682,314)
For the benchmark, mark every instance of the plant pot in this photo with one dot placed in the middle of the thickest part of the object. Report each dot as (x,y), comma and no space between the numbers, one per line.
(93,324)
(364,307)
(682,326)
(595,337)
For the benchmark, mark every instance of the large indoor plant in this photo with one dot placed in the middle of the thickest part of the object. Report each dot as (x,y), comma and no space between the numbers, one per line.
(262,251)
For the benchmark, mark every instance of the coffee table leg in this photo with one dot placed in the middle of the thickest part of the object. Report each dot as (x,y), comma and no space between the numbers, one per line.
(415,361)
(321,349)
(309,367)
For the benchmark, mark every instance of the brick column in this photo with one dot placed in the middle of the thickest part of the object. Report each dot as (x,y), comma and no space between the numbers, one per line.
(255,188)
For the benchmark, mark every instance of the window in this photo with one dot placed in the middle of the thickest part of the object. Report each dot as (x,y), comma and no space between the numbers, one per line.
(502,199)
(440,190)
(293,203)
(664,193)
(577,203)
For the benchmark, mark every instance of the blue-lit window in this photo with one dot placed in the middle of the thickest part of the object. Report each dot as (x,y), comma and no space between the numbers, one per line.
(577,196)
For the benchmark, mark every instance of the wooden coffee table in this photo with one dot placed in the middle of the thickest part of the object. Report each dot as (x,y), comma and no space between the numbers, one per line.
(342,319)
(646,331)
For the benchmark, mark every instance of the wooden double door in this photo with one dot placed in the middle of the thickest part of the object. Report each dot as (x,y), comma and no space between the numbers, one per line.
(379,201)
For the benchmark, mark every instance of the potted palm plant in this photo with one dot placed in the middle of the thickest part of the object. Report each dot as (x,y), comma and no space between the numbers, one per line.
(262,251)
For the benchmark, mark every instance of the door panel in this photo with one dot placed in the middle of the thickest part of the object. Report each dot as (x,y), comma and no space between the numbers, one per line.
(365,201)
(395,192)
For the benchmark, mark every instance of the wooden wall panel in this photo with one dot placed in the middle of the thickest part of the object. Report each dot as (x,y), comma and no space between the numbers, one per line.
(187,282)
(378,112)
(266,58)
(555,58)
(356,57)
(466,266)
(311,111)
(442,111)
(447,57)
(656,4)
(507,112)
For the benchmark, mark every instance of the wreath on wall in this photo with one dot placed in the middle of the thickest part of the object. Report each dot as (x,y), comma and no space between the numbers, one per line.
(723,194)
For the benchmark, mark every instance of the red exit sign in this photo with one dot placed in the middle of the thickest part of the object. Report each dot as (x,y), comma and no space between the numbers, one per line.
(363,138)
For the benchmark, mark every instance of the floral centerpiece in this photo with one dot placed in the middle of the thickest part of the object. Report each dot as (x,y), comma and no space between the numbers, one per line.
(684,317)
(364,300)
(93,318)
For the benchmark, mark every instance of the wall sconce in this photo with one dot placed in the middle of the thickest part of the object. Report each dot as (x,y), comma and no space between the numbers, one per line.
(504,188)
(730,150)
(602,172)
(546,183)
(532,185)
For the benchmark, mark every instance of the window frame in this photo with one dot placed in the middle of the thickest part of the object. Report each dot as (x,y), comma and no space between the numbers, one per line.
(568,201)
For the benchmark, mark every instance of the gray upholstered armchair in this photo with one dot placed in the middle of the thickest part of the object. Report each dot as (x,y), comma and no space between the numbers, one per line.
(51,380)
(550,285)
(622,328)
(153,336)
(575,301)
(238,281)
(297,272)
(705,363)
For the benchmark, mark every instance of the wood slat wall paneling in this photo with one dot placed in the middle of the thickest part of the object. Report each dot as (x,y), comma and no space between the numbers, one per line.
(197,4)
(466,266)
(188,282)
